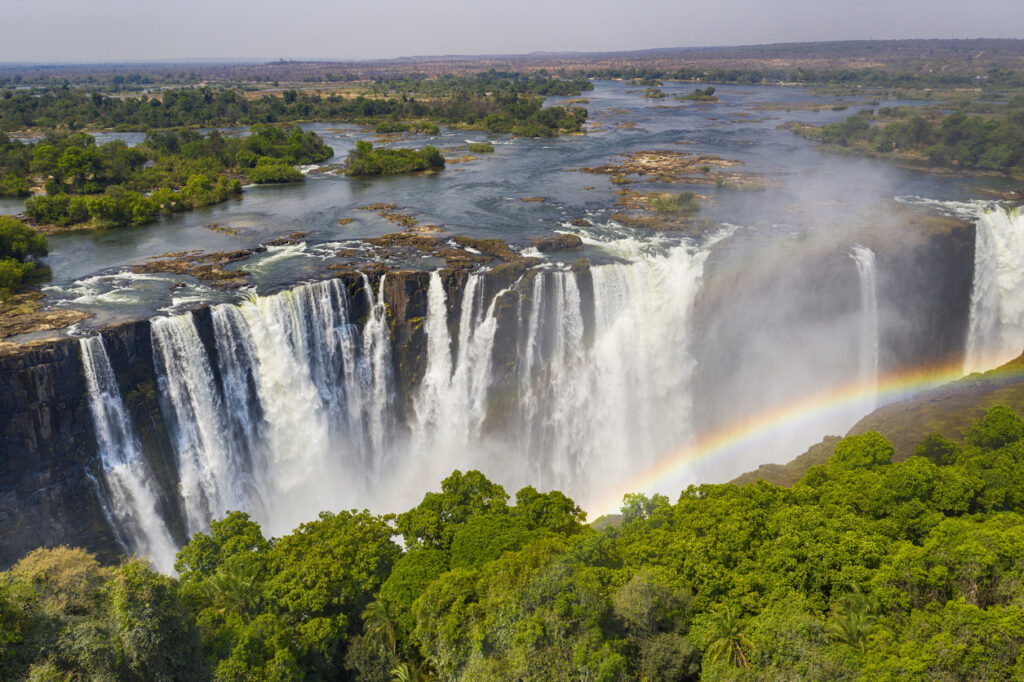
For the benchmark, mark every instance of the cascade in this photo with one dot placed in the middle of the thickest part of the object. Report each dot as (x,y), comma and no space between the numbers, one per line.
(129,495)
(300,415)
(996,326)
(211,480)
(868,343)
(587,408)
(291,407)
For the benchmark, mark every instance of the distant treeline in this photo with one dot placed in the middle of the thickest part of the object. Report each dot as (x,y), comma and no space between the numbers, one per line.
(498,103)
(864,569)
(876,78)
(959,139)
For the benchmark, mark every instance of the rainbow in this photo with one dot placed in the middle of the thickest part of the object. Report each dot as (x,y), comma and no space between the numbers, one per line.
(890,388)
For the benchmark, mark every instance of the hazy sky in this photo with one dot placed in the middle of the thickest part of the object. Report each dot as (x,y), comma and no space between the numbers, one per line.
(131,30)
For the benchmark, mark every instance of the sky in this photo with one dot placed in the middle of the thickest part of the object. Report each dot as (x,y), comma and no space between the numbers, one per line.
(141,30)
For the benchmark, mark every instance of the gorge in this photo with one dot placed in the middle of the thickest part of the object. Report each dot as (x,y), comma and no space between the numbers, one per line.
(351,391)
(354,370)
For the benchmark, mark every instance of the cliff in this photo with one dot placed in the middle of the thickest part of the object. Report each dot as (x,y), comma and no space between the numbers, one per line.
(50,469)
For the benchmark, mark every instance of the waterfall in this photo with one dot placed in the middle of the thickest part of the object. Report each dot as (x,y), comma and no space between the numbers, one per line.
(585,409)
(868,346)
(129,496)
(299,420)
(211,478)
(289,408)
(996,327)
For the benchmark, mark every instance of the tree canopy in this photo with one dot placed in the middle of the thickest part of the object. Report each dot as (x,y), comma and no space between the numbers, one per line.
(864,569)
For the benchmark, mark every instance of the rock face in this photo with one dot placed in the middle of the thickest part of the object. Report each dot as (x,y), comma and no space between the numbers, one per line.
(48,453)
(924,281)
(49,464)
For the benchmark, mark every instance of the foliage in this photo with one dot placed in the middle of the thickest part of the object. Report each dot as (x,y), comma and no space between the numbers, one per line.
(515,100)
(705,95)
(865,569)
(365,160)
(684,203)
(66,617)
(20,245)
(434,522)
(113,185)
(481,147)
(949,139)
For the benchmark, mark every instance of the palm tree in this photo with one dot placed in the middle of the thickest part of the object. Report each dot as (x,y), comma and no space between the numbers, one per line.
(409,672)
(853,620)
(729,641)
(233,587)
(378,625)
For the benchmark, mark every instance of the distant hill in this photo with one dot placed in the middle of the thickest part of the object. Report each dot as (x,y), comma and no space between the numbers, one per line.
(934,56)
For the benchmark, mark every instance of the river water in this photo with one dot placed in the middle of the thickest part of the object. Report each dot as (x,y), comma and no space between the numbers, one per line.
(481,198)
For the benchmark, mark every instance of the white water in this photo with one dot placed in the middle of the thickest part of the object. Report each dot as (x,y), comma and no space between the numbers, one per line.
(130,498)
(996,328)
(210,475)
(299,420)
(587,407)
(290,408)
(868,346)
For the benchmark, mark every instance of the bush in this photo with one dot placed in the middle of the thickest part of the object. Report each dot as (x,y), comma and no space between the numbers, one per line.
(684,202)
(385,127)
(272,171)
(481,147)
(12,273)
(19,241)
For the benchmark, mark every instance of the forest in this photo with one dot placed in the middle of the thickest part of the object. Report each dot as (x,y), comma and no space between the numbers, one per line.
(500,104)
(986,141)
(865,569)
(112,184)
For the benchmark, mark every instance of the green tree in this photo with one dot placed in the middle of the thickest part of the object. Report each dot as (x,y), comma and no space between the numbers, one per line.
(864,451)
(853,619)
(434,522)
(999,427)
(233,535)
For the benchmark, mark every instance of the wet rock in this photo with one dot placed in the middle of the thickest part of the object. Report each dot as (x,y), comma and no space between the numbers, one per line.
(558,242)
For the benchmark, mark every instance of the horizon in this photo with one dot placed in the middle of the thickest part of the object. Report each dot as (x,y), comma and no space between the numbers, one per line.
(250,60)
(104,32)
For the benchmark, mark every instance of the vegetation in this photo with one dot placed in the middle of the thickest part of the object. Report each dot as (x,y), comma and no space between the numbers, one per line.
(364,160)
(705,95)
(498,102)
(682,203)
(113,184)
(20,245)
(989,142)
(864,569)
(481,147)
